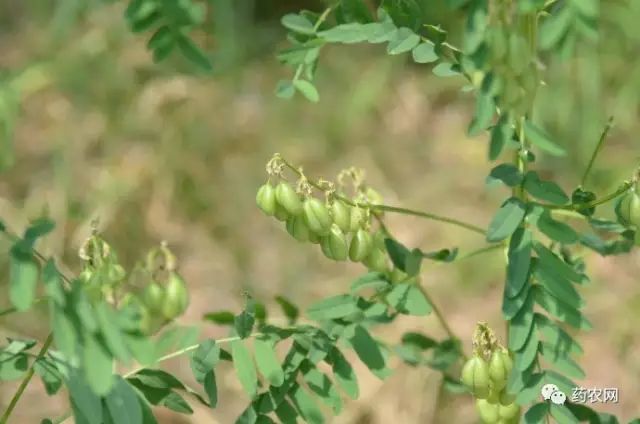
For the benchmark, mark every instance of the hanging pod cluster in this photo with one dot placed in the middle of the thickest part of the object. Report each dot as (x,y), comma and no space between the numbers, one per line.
(342,229)
(629,208)
(485,375)
(163,295)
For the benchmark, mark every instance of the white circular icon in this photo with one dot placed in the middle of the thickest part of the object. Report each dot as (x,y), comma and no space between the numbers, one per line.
(548,390)
(558,398)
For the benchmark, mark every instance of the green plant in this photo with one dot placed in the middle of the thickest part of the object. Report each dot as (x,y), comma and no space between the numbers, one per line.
(108,315)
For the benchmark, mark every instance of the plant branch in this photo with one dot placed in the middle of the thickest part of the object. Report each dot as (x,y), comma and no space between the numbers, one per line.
(25,381)
(603,137)
(404,211)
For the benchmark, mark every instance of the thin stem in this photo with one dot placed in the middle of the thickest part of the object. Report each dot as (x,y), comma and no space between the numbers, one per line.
(319,22)
(440,316)
(25,381)
(395,209)
(625,187)
(603,137)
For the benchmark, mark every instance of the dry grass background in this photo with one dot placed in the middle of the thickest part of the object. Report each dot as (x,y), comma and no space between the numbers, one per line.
(157,155)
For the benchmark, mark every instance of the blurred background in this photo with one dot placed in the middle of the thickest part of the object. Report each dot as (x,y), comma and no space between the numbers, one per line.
(92,128)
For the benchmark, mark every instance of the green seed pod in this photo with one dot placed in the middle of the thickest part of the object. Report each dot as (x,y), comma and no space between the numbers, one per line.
(317,216)
(376,261)
(357,218)
(176,297)
(475,376)
(341,214)
(361,245)
(506,398)
(298,228)
(266,199)
(287,197)
(281,213)
(494,396)
(629,209)
(314,238)
(153,297)
(334,245)
(500,366)
(489,413)
(378,240)
(509,412)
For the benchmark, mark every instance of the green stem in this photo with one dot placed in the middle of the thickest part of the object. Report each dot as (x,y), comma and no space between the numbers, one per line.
(625,187)
(395,209)
(25,381)
(603,137)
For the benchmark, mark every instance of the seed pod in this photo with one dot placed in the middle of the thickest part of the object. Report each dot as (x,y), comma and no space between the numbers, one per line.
(376,261)
(361,245)
(317,216)
(475,376)
(287,197)
(629,209)
(314,238)
(489,412)
(357,218)
(378,239)
(500,366)
(281,213)
(508,412)
(298,228)
(341,214)
(506,398)
(176,297)
(494,396)
(266,199)
(334,245)
(153,297)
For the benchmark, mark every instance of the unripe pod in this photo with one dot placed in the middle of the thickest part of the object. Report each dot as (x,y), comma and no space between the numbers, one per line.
(494,396)
(361,245)
(506,398)
(153,297)
(334,245)
(317,216)
(266,199)
(475,376)
(314,238)
(509,412)
(500,366)
(376,261)
(378,240)
(357,218)
(488,411)
(287,197)
(298,228)
(341,214)
(630,209)
(176,297)
(281,213)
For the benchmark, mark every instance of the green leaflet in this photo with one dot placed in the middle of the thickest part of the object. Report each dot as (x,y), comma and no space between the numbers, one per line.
(290,310)
(509,174)
(424,53)
(527,355)
(305,405)
(369,352)
(49,374)
(539,139)
(297,23)
(332,308)
(559,287)
(553,264)
(484,111)
(521,324)
(322,386)
(555,336)
(98,365)
(544,190)
(122,403)
(343,373)
(245,368)
(204,359)
(23,277)
(407,299)
(506,220)
(561,310)
(556,230)
(403,41)
(267,362)
(561,362)
(562,414)
(501,134)
(511,306)
(307,89)
(531,389)
(372,280)
(211,388)
(519,256)
(536,413)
